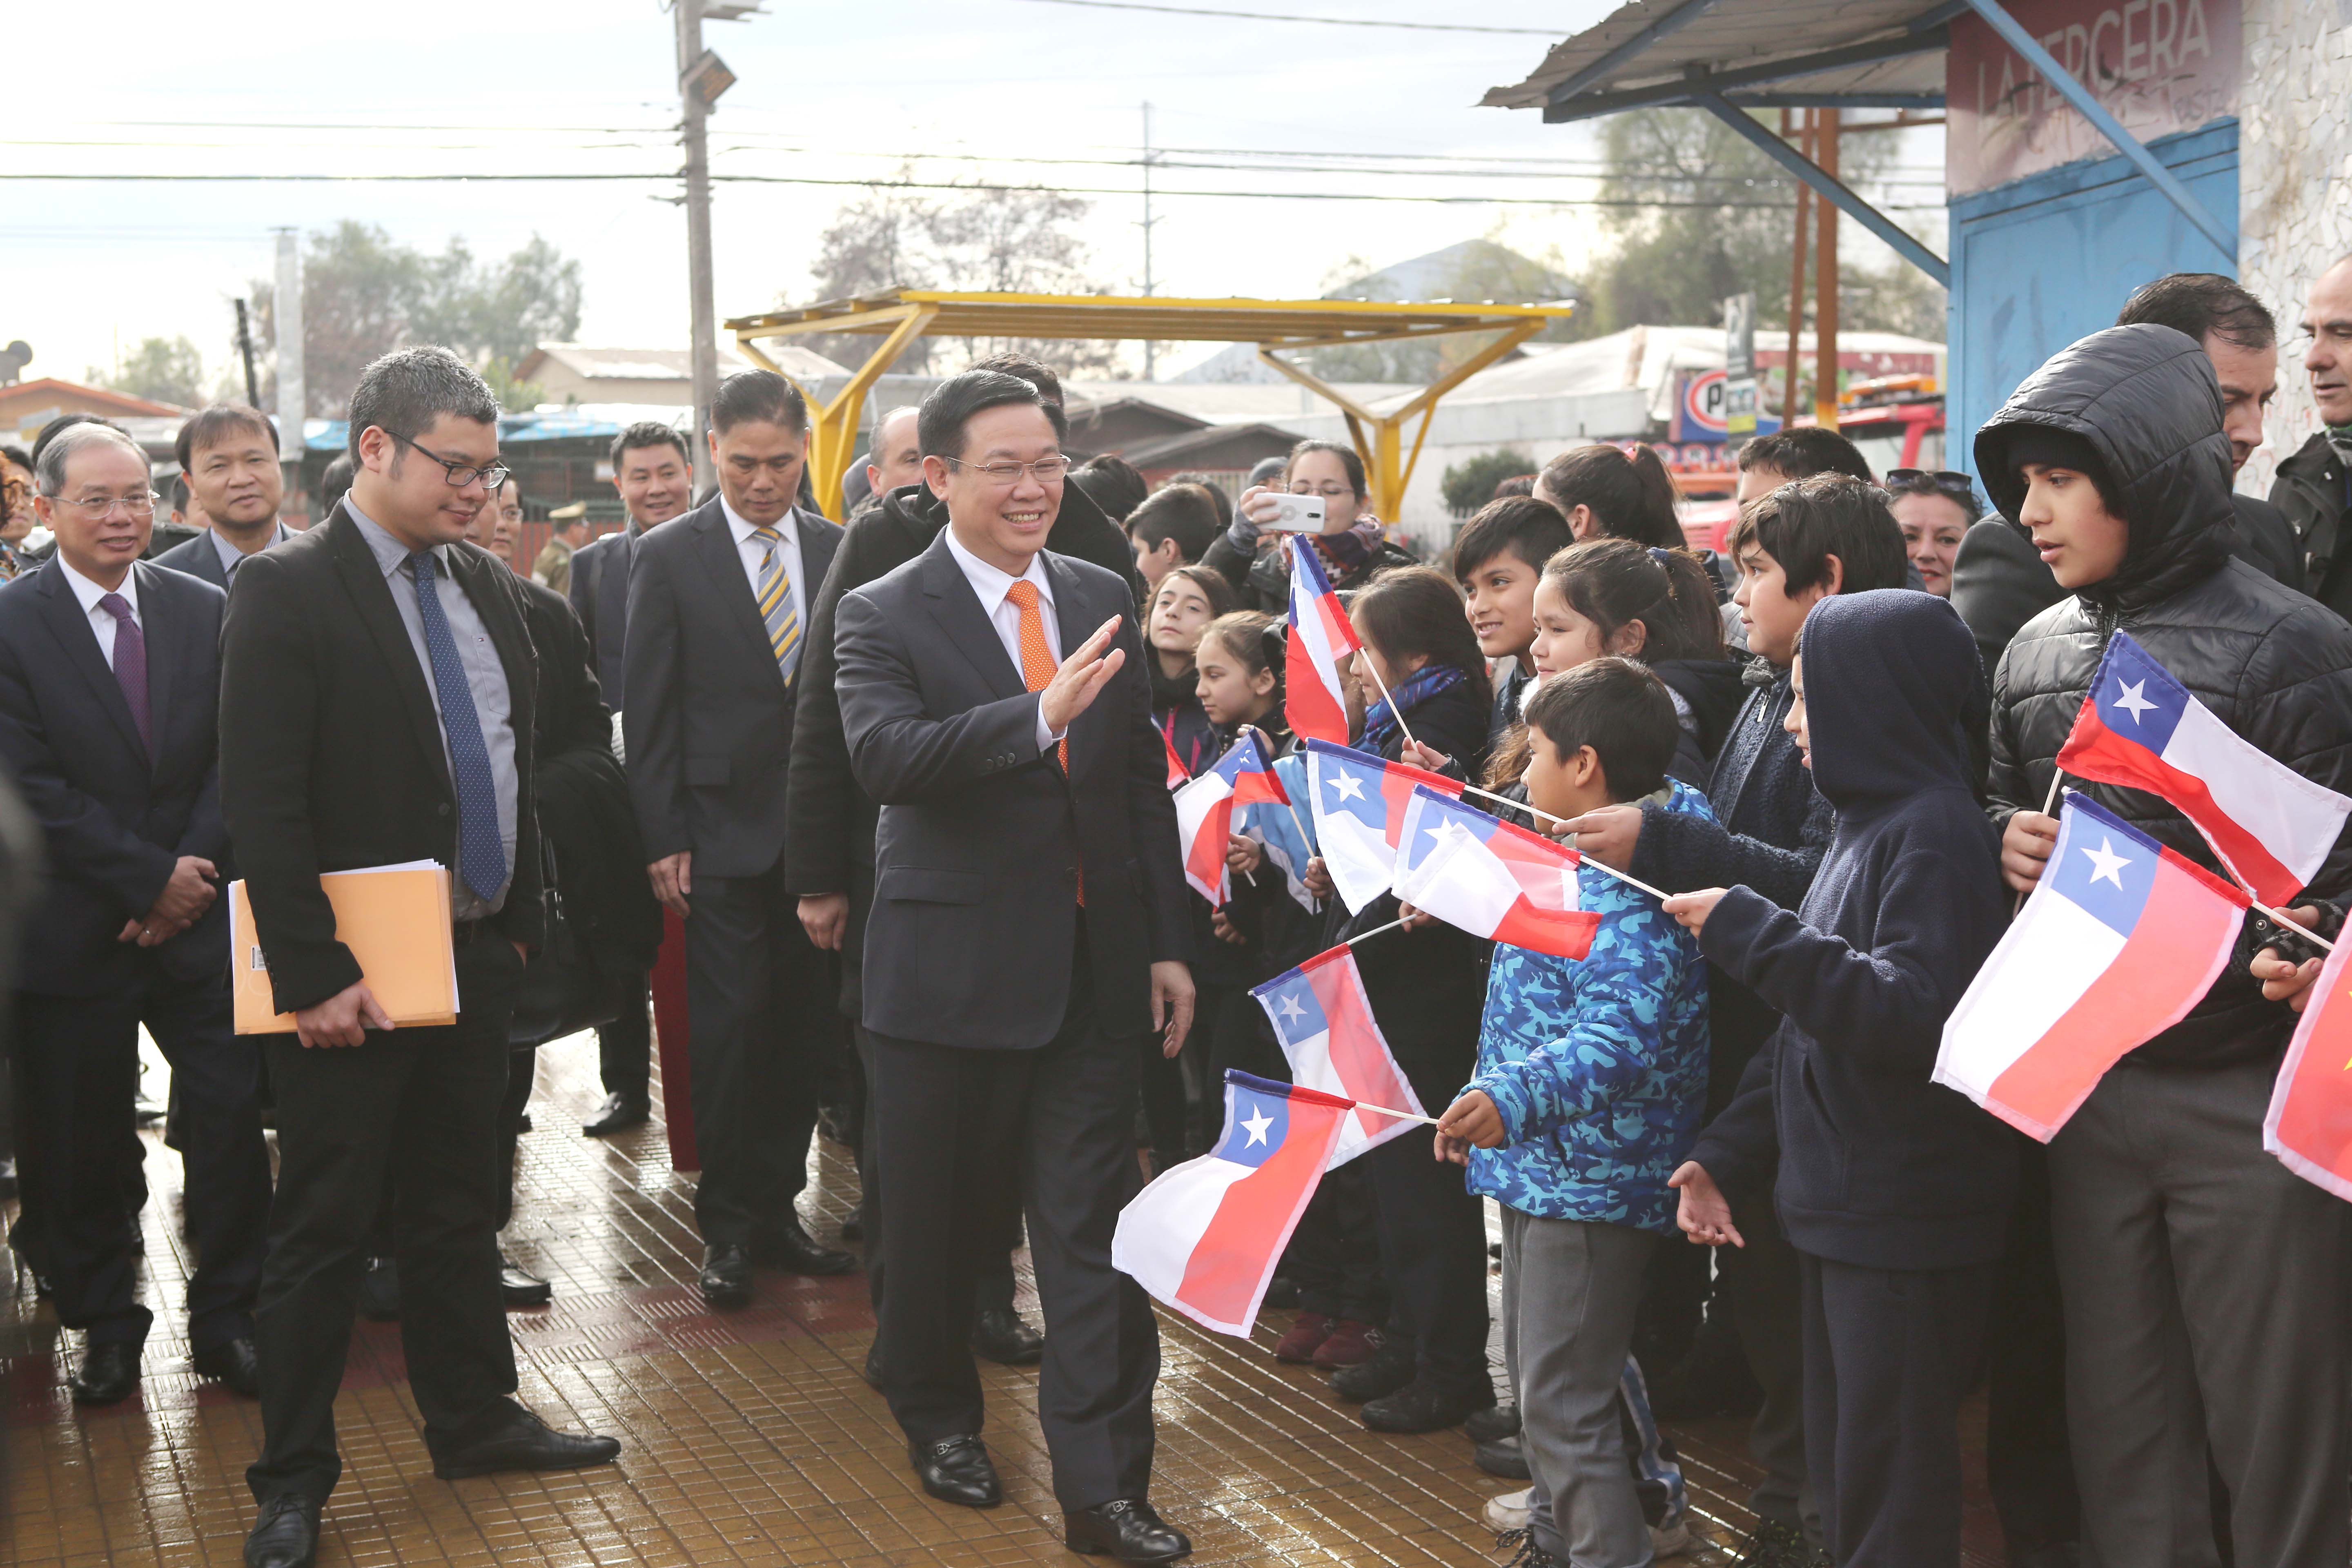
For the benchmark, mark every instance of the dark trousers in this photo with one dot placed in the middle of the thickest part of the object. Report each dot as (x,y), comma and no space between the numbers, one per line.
(1334,1255)
(2205,1289)
(78,1064)
(625,1047)
(1760,1283)
(992,1287)
(1889,1354)
(423,1101)
(1433,1242)
(953,1124)
(522,1071)
(2029,1468)
(760,1003)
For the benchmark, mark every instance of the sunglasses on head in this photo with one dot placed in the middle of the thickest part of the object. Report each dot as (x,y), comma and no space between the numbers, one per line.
(1943,480)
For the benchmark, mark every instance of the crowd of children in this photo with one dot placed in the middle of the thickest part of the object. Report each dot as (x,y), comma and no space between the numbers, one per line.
(1843,816)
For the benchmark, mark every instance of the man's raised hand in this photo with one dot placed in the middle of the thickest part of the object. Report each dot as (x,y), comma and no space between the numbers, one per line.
(1081,678)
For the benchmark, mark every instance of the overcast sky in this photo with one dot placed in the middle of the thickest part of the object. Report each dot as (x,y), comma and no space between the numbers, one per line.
(826,91)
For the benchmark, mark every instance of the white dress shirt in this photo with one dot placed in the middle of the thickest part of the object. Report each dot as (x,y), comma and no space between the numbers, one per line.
(992,585)
(101,621)
(754,550)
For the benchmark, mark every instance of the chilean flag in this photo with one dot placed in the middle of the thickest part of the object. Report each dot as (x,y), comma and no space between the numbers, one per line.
(1323,1022)
(1492,878)
(1204,1237)
(2121,938)
(2140,728)
(1320,636)
(1359,805)
(2309,1126)
(1176,773)
(1204,813)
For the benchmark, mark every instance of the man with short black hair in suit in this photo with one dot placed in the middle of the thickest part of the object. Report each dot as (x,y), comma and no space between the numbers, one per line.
(656,481)
(1029,923)
(109,686)
(718,603)
(228,459)
(377,700)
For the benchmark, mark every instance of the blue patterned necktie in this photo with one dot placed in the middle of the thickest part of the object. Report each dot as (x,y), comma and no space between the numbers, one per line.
(775,596)
(481,856)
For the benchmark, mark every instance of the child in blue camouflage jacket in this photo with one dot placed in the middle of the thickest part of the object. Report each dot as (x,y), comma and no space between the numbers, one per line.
(1590,1085)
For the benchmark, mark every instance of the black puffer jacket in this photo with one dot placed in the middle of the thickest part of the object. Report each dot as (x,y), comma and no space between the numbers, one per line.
(1263,580)
(2272,665)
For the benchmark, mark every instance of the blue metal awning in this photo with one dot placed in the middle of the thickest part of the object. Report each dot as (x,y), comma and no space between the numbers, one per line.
(594,421)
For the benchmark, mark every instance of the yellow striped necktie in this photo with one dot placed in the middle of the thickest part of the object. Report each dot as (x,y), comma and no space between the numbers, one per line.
(775,596)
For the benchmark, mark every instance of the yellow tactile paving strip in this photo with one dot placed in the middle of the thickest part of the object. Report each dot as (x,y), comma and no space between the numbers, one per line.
(749,1437)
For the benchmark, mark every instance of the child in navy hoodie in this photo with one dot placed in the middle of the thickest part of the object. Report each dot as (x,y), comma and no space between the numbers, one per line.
(1896,1192)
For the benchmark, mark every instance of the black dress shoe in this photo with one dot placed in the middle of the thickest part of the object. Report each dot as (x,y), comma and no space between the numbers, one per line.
(521,1287)
(788,1245)
(1495,1421)
(235,1364)
(726,1276)
(618,1114)
(287,1536)
(1386,1372)
(380,1291)
(526,1443)
(957,1470)
(1426,1406)
(108,1373)
(872,1371)
(1127,1530)
(999,1335)
(1503,1457)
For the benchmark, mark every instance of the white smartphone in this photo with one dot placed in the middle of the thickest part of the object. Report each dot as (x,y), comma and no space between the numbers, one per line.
(1297,514)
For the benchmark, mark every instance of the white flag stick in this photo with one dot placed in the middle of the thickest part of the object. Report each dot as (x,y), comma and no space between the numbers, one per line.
(1596,864)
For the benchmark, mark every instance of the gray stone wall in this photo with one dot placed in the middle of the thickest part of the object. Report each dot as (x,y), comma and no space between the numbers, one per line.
(2295,185)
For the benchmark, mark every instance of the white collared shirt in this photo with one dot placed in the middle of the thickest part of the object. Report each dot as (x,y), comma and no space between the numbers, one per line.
(231,557)
(101,621)
(754,550)
(992,585)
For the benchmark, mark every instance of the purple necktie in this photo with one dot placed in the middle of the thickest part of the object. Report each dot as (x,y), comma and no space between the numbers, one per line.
(131,663)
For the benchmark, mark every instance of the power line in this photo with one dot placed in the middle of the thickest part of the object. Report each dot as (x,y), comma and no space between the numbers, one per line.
(508,178)
(1287,17)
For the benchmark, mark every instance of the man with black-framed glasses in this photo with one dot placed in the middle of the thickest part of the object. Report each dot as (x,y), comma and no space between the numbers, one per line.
(377,698)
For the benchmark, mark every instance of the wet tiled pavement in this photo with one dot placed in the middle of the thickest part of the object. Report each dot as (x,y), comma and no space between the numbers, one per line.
(749,1437)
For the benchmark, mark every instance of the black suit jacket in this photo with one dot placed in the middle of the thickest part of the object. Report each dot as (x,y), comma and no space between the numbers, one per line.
(331,756)
(117,820)
(599,592)
(707,719)
(198,557)
(981,841)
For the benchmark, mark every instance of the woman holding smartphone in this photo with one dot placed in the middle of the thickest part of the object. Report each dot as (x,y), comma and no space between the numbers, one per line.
(1350,542)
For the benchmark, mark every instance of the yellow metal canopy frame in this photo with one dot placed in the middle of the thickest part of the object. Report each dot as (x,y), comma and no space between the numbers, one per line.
(898,316)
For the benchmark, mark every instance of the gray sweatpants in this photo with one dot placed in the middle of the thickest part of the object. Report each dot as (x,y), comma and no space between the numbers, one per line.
(1569,1288)
(2205,1289)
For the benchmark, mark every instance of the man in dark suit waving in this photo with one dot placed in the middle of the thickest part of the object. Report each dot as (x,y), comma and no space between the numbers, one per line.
(1028,925)
(110,687)
(377,701)
(718,606)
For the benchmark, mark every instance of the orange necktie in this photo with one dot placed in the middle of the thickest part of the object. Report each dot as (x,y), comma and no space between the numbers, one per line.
(1037,667)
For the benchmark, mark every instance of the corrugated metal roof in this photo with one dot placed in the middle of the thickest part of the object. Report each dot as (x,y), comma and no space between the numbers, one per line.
(1659,45)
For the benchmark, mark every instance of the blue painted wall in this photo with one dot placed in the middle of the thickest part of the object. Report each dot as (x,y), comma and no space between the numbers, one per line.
(2038,264)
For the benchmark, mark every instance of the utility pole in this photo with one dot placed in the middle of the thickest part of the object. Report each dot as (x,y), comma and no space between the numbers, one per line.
(245,352)
(1790,360)
(286,308)
(705,328)
(1149,346)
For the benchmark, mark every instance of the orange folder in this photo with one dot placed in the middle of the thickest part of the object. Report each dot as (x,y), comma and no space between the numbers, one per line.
(395,921)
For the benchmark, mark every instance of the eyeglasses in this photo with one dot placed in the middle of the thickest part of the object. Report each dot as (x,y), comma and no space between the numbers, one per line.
(1328,491)
(102,507)
(460,474)
(1045,470)
(1923,482)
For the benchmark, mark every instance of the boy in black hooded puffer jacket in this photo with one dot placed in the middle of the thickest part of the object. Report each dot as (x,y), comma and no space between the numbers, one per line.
(2204,1284)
